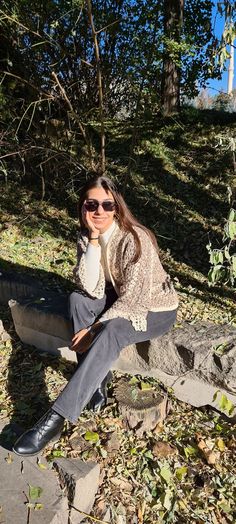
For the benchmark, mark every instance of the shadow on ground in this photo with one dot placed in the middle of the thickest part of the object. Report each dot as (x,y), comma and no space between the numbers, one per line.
(26,382)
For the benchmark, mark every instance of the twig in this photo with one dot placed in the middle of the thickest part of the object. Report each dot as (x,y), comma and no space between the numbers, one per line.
(34,103)
(29,509)
(89,516)
(107,26)
(49,40)
(75,115)
(44,93)
(86,63)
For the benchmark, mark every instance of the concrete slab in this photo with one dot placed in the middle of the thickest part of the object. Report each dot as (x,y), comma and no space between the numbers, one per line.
(16,475)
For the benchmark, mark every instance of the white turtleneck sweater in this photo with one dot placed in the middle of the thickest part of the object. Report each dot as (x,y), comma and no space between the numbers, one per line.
(94,255)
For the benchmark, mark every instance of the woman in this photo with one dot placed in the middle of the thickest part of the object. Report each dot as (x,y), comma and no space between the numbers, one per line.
(124,296)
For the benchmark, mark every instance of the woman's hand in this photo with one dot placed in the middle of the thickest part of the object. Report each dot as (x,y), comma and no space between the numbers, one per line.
(81,341)
(88,222)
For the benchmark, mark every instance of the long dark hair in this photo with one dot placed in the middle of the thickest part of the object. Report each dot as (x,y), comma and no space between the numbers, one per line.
(125,218)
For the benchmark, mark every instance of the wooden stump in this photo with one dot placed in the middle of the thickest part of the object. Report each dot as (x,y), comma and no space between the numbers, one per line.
(141,408)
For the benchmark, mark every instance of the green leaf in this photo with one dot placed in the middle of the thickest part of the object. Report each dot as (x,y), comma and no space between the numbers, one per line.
(233,260)
(38,506)
(35,492)
(216,257)
(232,215)
(215,273)
(226,508)
(103,452)
(231,229)
(221,348)
(90,436)
(166,499)
(224,403)
(58,453)
(40,465)
(215,394)
(134,393)
(148,454)
(145,386)
(181,472)
(226,253)
(190,451)
(166,474)
(133,381)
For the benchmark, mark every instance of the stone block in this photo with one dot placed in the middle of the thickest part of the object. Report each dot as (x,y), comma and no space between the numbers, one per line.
(42,322)
(15,286)
(81,480)
(195,360)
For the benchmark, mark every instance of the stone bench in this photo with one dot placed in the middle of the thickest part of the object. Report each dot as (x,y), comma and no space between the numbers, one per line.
(195,360)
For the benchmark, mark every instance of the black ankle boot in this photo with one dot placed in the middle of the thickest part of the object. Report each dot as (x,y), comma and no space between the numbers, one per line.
(36,438)
(99,398)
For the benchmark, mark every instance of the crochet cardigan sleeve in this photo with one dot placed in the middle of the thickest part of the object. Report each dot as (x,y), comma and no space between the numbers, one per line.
(80,271)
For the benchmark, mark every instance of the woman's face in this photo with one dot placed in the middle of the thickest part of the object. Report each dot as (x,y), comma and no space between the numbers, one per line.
(100,218)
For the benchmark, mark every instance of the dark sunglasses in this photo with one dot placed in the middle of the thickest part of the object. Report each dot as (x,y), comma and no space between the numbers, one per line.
(92,205)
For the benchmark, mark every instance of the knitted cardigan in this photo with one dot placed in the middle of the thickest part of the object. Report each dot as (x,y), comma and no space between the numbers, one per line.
(141,286)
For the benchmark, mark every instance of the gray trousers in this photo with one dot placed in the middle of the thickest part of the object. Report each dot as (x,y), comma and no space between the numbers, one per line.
(105,348)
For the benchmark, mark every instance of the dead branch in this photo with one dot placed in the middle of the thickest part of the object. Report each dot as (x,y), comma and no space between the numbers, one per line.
(76,117)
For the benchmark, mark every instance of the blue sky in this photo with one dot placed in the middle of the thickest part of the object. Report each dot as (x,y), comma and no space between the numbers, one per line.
(220,85)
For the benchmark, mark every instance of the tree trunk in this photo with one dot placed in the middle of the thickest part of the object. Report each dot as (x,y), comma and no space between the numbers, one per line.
(170,88)
(231,70)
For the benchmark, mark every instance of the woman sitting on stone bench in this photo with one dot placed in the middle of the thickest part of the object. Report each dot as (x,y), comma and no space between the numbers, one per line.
(124,296)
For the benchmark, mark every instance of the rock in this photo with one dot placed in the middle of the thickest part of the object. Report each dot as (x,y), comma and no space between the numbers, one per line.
(81,480)
(15,286)
(195,360)
(42,322)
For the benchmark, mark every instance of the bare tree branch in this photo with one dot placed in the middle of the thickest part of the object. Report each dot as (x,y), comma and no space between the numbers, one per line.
(76,117)
(107,26)
(99,81)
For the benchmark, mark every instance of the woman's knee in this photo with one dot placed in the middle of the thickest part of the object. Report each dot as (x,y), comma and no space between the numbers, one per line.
(118,329)
(75,299)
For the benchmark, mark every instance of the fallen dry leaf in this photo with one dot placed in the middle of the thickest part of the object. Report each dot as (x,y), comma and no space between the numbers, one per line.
(210,456)
(110,421)
(163,449)
(9,458)
(113,442)
(141,511)
(159,428)
(122,484)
